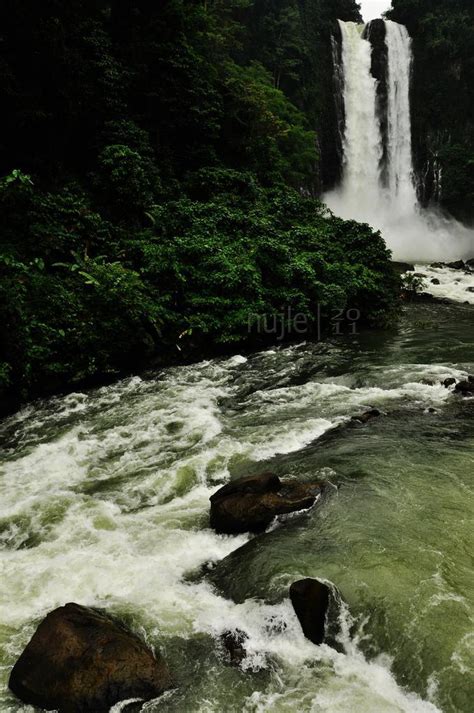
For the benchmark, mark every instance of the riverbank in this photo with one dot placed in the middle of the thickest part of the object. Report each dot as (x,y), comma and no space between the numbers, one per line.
(455,286)
(246,304)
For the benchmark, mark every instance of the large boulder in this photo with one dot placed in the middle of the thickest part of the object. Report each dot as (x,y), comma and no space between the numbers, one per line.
(311,599)
(250,504)
(81,661)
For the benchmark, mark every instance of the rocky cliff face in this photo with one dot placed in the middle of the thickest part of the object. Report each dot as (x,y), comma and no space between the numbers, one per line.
(339,110)
(323,41)
(442,101)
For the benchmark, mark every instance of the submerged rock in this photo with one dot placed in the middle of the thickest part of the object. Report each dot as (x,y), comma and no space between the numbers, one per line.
(81,661)
(435,281)
(449,382)
(250,504)
(367,416)
(311,599)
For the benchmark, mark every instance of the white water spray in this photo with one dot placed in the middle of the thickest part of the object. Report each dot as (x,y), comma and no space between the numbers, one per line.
(410,232)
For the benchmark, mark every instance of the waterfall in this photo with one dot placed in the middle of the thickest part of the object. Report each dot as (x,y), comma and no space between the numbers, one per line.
(400,166)
(377,185)
(362,143)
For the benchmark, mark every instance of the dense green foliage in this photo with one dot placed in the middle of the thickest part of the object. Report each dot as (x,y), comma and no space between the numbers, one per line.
(160,163)
(443,97)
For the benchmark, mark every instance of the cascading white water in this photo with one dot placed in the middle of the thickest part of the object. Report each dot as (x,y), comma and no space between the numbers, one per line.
(390,206)
(400,166)
(362,142)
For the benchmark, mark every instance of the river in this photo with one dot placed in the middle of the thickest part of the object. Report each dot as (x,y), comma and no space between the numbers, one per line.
(104,501)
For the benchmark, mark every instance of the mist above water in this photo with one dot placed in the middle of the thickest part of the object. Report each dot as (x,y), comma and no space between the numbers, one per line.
(391,206)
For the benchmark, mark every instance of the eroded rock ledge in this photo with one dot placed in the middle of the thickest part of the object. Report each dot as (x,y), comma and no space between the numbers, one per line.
(250,504)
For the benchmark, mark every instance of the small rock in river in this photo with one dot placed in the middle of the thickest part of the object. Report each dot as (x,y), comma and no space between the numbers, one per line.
(465,388)
(310,599)
(367,416)
(233,642)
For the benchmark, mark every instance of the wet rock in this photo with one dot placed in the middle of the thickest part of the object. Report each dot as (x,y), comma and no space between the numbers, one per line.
(80,661)
(470,263)
(449,382)
(456,265)
(469,289)
(435,281)
(465,388)
(250,504)
(367,416)
(261,483)
(234,644)
(438,265)
(310,599)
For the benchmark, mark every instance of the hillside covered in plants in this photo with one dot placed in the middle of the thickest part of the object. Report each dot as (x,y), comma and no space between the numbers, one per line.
(161,165)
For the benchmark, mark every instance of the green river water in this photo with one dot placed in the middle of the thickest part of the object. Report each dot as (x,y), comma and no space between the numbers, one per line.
(104,501)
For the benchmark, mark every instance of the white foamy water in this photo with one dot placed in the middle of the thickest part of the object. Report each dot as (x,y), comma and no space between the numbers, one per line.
(455,285)
(362,138)
(412,233)
(105,498)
